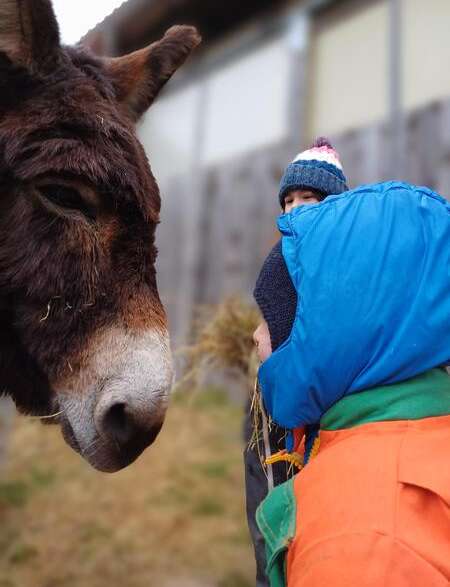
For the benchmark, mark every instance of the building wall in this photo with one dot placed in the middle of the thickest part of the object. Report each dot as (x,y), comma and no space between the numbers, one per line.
(349,70)
(168,133)
(243,104)
(426,51)
(231,110)
(218,145)
(246,103)
(213,241)
(365,151)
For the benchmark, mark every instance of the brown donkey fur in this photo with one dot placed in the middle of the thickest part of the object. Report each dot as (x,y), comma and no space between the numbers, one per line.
(83,331)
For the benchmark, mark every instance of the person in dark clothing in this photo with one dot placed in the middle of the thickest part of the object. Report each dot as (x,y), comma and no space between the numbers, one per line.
(309,179)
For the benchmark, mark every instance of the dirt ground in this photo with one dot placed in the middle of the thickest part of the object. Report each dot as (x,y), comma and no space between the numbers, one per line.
(175,518)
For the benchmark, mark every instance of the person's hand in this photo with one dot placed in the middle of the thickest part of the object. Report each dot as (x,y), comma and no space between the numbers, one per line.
(263,345)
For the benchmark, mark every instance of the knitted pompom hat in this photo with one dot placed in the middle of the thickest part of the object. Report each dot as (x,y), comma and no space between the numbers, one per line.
(318,168)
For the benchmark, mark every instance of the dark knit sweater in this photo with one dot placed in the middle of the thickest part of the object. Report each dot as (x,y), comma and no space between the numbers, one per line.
(276,296)
(277,300)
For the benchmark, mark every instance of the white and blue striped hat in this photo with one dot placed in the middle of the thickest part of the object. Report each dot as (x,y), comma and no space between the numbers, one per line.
(318,168)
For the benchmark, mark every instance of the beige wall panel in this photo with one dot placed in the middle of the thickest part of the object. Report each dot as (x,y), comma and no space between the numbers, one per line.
(247,103)
(167,133)
(349,81)
(426,51)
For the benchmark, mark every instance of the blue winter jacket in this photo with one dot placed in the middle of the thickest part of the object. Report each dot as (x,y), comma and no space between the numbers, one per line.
(372,272)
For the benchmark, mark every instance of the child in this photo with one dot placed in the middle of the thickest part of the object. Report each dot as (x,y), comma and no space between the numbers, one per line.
(361,368)
(310,178)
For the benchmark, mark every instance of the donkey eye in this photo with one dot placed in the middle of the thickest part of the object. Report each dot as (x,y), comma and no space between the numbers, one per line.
(68,198)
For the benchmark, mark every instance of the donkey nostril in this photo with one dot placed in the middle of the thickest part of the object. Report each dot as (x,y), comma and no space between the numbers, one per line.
(129,430)
(118,423)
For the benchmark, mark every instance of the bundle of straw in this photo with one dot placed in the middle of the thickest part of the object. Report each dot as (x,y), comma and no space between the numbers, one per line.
(224,340)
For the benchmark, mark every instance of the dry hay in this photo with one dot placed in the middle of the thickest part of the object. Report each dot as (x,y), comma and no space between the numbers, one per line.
(223,339)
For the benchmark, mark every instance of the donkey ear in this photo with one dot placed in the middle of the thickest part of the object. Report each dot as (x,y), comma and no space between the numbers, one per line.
(29,34)
(139,76)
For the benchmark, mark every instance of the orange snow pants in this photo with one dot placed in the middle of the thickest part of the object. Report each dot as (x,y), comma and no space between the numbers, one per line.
(372,508)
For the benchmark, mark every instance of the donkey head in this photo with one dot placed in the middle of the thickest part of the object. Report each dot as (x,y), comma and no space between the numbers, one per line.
(82,328)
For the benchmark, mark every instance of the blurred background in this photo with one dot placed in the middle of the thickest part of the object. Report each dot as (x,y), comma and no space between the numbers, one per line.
(270,76)
(373,76)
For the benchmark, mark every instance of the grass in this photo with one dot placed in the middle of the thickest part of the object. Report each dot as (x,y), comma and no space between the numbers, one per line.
(234,579)
(208,506)
(215,469)
(13,493)
(16,492)
(176,517)
(22,553)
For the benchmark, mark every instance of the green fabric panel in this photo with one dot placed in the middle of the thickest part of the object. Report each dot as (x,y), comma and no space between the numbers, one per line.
(276,517)
(423,396)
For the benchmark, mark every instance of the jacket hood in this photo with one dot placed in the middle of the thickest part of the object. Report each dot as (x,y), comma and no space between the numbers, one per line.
(371,268)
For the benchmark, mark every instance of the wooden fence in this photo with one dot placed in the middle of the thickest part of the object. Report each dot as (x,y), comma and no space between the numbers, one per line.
(218,226)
